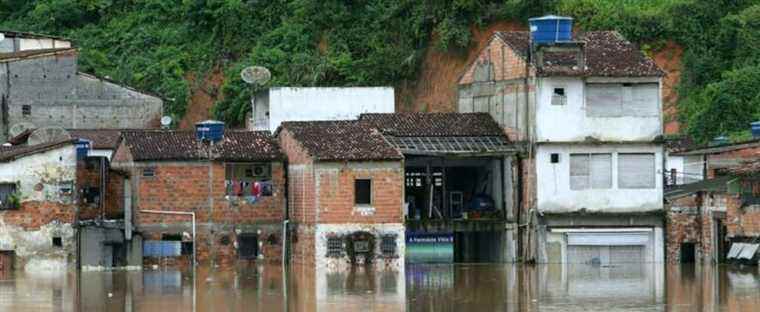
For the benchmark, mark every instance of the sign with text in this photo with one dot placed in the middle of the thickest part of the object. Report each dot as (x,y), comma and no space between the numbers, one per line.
(429,247)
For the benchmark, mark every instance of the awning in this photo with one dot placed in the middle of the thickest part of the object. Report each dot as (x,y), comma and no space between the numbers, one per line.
(742,251)
(453,145)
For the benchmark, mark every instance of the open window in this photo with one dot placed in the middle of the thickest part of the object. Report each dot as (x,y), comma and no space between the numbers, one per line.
(559,97)
(363,192)
(8,196)
(248,179)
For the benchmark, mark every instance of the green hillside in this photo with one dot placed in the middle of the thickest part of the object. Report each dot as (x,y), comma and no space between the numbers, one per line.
(155,44)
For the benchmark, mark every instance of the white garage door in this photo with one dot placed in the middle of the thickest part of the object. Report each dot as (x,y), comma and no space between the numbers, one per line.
(607,248)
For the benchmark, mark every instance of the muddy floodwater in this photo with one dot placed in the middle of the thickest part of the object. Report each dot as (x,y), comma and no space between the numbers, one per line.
(632,287)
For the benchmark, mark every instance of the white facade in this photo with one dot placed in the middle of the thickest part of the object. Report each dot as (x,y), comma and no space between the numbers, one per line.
(682,169)
(14,42)
(272,107)
(572,119)
(608,246)
(554,192)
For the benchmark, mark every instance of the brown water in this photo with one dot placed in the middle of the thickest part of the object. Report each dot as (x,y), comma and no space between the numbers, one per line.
(647,287)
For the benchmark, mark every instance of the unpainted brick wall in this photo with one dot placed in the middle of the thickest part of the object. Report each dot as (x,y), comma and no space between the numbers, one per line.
(742,220)
(505,62)
(184,186)
(33,214)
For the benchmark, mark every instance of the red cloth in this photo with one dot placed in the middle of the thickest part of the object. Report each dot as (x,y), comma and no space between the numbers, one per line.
(256,189)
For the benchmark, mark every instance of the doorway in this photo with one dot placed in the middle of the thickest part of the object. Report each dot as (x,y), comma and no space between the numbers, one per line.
(688,252)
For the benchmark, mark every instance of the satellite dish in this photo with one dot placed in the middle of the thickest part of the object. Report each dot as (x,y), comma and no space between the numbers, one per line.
(166,121)
(47,134)
(255,75)
(19,128)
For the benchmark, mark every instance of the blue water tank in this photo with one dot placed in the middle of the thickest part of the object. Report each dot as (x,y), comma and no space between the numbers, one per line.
(83,147)
(550,29)
(209,130)
(755,129)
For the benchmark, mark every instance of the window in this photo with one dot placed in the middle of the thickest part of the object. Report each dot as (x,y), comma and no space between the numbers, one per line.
(248,246)
(91,194)
(636,171)
(590,171)
(388,245)
(617,100)
(26,110)
(248,179)
(334,247)
(554,158)
(558,97)
(57,241)
(8,197)
(149,172)
(363,192)
(170,241)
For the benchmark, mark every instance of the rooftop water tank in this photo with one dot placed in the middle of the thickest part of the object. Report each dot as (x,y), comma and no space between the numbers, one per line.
(755,129)
(83,147)
(551,29)
(209,130)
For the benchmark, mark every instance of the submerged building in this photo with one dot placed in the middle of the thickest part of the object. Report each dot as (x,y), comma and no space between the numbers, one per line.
(222,200)
(587,106)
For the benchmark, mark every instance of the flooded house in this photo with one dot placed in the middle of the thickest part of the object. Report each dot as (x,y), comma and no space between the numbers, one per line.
(38,206)
(587,105)
(345,195)
(41,86)
(460,173)
(219,198)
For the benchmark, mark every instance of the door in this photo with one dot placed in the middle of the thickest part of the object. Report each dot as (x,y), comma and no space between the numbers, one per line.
(6,261)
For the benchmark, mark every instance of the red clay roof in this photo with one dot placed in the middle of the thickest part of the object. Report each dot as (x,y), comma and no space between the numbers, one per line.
(341,140)
(158,145)
(749,168)
(608,54)
(434,124)
(99,138)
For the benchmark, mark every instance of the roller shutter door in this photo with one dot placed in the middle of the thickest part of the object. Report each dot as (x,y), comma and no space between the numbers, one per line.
(607,248)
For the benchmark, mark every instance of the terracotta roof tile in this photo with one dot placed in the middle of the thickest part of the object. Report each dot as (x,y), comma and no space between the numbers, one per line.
(341,140)
(182,145)
(748,168)
(99,138)
(608,54)
(434,124)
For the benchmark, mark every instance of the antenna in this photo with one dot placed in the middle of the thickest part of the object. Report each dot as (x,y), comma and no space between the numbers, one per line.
(166,121)
(256,75)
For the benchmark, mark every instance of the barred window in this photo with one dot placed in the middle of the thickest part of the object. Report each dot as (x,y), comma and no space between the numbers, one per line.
(388,245)
(334,247)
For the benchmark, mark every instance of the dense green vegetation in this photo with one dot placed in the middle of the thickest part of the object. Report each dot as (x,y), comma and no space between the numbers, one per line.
(156,44)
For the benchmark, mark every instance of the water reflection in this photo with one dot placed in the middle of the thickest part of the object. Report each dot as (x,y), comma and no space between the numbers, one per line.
(632,287)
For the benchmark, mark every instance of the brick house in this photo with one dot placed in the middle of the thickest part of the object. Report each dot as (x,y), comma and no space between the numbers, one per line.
(345,194)
(588,108)
(711,220)
(235,188)
(38,206)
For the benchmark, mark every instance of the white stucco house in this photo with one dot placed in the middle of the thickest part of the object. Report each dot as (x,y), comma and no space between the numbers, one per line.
(273,106)
(589,111)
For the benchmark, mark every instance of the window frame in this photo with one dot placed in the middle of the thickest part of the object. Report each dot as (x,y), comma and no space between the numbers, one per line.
(5,204)
(589,180)
(559,99)
(653,172)
(356,197)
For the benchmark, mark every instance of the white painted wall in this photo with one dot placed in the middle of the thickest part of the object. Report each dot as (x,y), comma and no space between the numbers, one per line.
(653,247)
(323,231)
(553,181)
(688,168)
(301,104)
(54,169)
(570,123)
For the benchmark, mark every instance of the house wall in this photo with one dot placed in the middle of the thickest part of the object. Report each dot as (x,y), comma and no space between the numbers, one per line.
(743,219)
(59,96)
(571,122)
(299,104)
(693,219)
(689,169)
(184,186)
(495,83)
(730,159)
(45,182)
(553,182)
